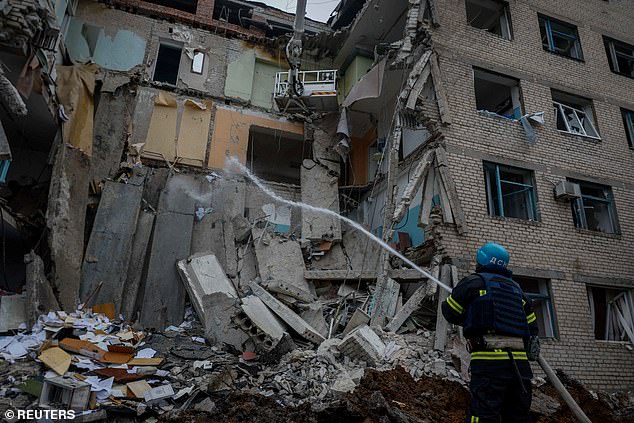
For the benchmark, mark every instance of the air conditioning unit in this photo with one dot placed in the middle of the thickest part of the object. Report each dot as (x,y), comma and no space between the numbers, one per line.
(567,191)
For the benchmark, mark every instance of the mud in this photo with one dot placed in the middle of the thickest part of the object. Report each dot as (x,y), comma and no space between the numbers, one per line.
(386,396)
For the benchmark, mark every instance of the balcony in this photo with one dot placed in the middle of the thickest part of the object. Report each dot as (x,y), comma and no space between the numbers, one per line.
(320,91)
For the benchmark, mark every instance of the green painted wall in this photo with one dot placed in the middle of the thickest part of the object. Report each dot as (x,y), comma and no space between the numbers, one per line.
(239,81)
(264,84)
(358,67)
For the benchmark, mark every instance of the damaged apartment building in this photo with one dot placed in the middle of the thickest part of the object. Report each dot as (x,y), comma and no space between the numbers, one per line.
(438,125)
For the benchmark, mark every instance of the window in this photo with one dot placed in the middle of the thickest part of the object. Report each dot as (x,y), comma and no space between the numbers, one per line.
(595,209)
(198,62)
(574,115)
(497,93)
(628,121)
(620,56)
(510,191)
(560,37)
(167,63)
(490,15)
(612,313)
(277,156)
(538,291)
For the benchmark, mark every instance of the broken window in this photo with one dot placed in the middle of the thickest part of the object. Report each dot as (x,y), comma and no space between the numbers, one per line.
(490,15)
(188,6)
(167,63)
(612,313)
(497,93)
(198,62)
(574,115)
(560,38)
(538,291)
(620,56)
(628,121)
(510,191)
(595,209)
(276,155)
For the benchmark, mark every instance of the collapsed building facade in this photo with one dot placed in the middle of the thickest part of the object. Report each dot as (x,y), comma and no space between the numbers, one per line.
(437,125)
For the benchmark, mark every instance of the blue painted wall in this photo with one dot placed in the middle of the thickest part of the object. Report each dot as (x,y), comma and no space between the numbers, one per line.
(110,48)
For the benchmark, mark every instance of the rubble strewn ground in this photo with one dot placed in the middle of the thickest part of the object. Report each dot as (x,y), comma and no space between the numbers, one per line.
(410,382)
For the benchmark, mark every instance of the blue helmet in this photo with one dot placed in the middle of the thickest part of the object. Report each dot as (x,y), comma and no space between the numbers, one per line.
(492,254)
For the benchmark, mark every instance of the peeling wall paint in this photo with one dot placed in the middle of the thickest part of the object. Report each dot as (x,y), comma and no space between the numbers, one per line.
(231,133)
(108,47)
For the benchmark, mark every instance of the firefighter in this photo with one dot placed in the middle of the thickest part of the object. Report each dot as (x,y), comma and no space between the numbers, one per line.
(501,331)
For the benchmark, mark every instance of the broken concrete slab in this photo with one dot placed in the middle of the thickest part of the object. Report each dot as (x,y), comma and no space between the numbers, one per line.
(40,296)
(203,275)
(65,220)
(359,318)
(289,290)
(220,311)
(111,126)
(247,265)
(280,260)
(385,301)
(320,188)
(257,321)
(409,275)
(313,314)
(164,294)
(109,248)
(286,314)
(333,259)
(136,267)
(361,251)
(363,344)
(241,228)
(424,290)
(12,312)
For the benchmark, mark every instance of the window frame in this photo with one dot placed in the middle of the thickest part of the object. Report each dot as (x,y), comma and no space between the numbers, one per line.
(505,26)
(515,90)
(629,298)
(173,45)
(612,54)
(580,219)
(494,211)
(628,123)
(545,295)
(551,48)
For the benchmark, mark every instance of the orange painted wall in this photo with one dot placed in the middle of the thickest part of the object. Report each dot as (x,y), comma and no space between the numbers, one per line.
(231,133)
(359,157)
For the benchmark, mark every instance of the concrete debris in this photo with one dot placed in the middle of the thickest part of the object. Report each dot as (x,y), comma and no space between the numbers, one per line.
(13,314)
(39,293)
(363,344)
(286,314)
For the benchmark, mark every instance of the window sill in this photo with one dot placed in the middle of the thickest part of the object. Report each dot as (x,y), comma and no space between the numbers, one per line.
(622,74)
(598,233)
(612,343)
(489,33)
(537,223)
(554,53)
(585,137)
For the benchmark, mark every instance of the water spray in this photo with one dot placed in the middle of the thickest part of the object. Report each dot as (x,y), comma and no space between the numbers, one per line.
(232,161)
(568,399)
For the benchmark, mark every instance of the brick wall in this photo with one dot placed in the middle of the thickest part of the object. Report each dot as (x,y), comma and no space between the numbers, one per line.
(553,243)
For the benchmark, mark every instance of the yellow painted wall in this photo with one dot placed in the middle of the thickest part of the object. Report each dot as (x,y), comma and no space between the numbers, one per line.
(231,133)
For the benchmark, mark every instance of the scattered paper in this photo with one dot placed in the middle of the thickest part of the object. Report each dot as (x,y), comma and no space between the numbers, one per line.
(145,353)
(205,365)
(198,339)
(182,392)
(158,393)
(138,388)
(103,388)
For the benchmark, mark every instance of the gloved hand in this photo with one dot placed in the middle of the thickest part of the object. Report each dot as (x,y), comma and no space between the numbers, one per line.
(533,348)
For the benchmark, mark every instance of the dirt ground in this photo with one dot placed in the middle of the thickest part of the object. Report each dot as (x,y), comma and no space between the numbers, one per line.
(389,396)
